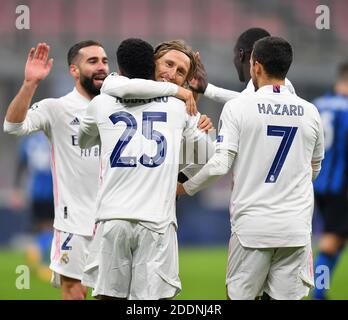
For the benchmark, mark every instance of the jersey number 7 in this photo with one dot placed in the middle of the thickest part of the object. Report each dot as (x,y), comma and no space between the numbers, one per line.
(147,130)
(288,134)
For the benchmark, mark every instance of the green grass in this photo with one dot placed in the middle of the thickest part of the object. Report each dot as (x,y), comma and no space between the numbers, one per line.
(202,272)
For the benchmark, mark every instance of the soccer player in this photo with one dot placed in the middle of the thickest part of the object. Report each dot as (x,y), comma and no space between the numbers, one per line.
(75,170)
(137,256)
(173,72)
(242,51)
(331,186)
(175,65)
(274,139)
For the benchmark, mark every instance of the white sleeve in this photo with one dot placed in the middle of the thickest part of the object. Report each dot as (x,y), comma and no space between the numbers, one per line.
(229,132)
(88,135)
(316,167)
(39,117)
(217,166)
(123,87)
(219,94)
(319,149)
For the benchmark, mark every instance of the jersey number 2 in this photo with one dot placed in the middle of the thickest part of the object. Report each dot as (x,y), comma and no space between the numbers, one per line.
(288,134)
(147,130)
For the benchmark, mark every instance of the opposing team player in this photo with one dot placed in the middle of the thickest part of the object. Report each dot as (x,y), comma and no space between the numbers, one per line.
(137,255)
(331,186)
(274,140)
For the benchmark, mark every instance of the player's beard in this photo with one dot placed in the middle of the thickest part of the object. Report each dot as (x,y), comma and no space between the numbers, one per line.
(88,84)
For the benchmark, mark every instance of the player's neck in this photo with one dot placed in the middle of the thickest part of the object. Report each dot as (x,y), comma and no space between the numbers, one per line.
(266,81)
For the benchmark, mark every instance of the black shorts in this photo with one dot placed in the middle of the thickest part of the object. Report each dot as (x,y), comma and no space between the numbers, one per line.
(42,211)
(334,211)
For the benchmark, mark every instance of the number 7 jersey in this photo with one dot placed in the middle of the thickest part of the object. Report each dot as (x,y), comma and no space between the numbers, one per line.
(276,136)
(140,147)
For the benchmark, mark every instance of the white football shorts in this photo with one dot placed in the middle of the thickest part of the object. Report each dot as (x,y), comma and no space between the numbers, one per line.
(68,256)
(132,262)
(283,273)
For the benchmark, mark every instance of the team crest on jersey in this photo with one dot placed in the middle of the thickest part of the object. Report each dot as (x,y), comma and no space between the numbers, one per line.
(64,258)
(75,121)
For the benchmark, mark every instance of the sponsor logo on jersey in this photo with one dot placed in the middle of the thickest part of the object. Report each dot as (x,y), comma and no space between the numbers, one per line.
(75,121)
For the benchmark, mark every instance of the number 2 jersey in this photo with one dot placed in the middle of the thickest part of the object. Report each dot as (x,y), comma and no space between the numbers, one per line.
(75,171)
(276,136)
(140,149)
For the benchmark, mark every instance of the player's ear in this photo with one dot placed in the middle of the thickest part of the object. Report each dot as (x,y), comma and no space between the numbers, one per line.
(258,68)
(74,71)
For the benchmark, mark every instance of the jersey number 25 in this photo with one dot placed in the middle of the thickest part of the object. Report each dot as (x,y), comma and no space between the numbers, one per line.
(148,132)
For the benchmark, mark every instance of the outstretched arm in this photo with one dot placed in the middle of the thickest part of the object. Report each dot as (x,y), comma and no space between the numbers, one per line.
(200,84)
(217,166)
(36,69)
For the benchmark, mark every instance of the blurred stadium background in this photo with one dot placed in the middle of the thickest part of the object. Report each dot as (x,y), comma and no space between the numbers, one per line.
(210,27)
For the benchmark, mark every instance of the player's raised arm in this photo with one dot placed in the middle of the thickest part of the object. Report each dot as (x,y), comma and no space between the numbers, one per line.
(37,68)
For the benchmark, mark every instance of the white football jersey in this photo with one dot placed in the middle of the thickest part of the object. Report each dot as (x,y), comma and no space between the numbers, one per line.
(251,88)
(276,136)
(75,171)
(140,149)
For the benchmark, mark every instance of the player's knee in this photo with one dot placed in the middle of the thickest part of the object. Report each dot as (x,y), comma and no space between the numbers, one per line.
(72,289)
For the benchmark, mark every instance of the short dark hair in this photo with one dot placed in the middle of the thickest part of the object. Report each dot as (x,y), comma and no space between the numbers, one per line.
(275,54)
(247,39)
(342,71)
(135,58)
(74,50)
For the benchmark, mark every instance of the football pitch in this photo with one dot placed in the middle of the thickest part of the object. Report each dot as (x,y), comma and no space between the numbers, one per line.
(202,272)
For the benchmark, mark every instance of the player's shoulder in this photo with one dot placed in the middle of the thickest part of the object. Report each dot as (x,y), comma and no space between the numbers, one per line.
(308,106)
(240,101)
(103,97)
(48,103)
(174,100)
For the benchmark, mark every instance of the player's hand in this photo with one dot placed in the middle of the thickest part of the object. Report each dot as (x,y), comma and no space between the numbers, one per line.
(199,82)
(180,191)
(205,123)
(187,96)
(38,65)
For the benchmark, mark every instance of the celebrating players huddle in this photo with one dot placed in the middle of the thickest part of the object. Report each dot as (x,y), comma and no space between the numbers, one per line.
(115,222)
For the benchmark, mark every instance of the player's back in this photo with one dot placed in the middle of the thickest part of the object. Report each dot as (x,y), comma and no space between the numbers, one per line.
(272,196)
(140,147)
(334,114)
